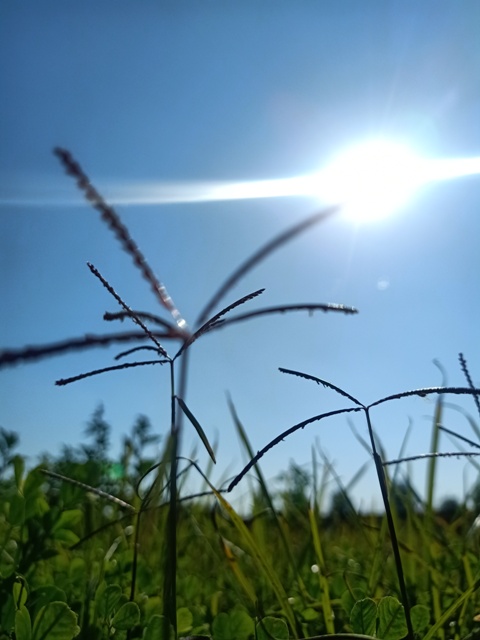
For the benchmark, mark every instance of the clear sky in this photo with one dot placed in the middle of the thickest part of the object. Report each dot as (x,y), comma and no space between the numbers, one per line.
(165,93)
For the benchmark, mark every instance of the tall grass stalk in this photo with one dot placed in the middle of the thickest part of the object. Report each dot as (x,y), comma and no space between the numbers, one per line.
(378,462)
(178,331)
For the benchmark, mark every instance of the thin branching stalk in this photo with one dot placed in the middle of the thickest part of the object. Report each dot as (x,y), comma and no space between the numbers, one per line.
(379,466)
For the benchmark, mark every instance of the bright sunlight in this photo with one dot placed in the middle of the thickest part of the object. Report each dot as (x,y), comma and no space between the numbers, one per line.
(372,179)
(376,178)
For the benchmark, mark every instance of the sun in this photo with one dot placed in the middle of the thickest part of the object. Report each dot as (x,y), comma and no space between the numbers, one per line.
(372,179)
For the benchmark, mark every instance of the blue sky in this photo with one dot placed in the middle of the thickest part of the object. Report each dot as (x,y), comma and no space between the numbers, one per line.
(163,92)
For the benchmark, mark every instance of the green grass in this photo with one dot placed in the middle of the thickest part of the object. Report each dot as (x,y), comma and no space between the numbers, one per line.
(316,573)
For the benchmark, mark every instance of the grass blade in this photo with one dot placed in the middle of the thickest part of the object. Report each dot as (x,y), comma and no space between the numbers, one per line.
(198,427)
(328,616)
(260,561)
(447,614)
(267,496)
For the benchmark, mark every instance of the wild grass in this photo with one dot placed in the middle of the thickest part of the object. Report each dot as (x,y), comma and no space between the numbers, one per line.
(90,556)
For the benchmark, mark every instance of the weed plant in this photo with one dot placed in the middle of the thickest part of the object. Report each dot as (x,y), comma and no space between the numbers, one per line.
(91,548)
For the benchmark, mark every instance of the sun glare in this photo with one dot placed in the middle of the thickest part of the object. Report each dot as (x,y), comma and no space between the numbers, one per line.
(372,179)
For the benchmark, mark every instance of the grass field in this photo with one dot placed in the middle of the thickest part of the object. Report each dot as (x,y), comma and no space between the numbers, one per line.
(100,564)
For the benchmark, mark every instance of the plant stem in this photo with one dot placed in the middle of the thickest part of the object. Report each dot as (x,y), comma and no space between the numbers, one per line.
(391,526)
(170,580)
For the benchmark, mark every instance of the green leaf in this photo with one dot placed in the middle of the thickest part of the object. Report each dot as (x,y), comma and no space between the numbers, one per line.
(309,614)
(16,514)
(184,620)
(76,569)
(55,621)
(237,625)
(66,535)
(420,616)
(364,616)
(7,562)
(35,503)
(107,599)
(349,598)
(198,428)
(221,627)
(127,616)
(241,624)
(155,627)
(19,592)
(152,607)
(23,624)
(32,483)
(68,518)
(18,468)
(46,594)
(391,619)
(272,628)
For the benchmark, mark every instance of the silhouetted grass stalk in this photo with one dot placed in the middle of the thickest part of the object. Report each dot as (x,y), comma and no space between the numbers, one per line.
(178,331)
(378,462)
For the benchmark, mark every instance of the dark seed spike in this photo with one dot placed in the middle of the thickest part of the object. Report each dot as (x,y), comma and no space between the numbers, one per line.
(466,372)
(279,438)
(123,304)
(261,254)
(110,216)
(287,308)
(437,454)
(134,350)
(147,317)
(87,487)
(31,353)
(127,365)
(322,382)
(216,320)
(423,393)
(234,305)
